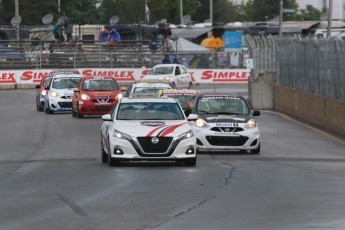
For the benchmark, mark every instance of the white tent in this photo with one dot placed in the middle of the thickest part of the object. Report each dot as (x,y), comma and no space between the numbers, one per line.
(182,45)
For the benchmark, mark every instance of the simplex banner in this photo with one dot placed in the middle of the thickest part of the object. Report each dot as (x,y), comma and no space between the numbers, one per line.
(127,75)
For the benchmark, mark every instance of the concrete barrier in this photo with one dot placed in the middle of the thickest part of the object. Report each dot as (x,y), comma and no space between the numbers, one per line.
(325,113)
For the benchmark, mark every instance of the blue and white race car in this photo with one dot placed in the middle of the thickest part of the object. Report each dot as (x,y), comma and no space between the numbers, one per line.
(61,92)
(225,123)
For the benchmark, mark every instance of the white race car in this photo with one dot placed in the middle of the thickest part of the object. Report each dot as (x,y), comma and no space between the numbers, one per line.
(144,88)
(152,129)
(61,92)
(225,123)
(177,74)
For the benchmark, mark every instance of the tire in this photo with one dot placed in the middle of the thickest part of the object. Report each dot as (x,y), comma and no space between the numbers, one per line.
(255,151)
(174,85)
(78,115)
(48,111)
(103,153)
(190,85)
(190,162)
(74,114)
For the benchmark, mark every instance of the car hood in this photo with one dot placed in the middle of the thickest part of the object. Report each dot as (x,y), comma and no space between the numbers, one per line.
(64,92)
(101,94)
(153,128)
(213,118)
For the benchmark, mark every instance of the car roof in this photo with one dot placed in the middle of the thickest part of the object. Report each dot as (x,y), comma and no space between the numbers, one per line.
(148,99)
(179,91)
(220,94)
(68,75)
(67,71)
(95,77)
(154,84)
(172,65)
(152,81)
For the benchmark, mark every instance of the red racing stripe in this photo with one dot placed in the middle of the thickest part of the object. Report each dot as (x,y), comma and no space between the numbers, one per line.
(154,130)
(171,129)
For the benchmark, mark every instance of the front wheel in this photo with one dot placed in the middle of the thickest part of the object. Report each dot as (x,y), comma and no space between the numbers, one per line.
(103,153)
(112,161)
(190,162)
(78,113)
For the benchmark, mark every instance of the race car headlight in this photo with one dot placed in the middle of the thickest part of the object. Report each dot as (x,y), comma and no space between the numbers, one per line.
(54,94)
(186,135)
(85,97)
(168,78)
(119,96)
(200,123)
(121,135)
(44,92)
(251,124)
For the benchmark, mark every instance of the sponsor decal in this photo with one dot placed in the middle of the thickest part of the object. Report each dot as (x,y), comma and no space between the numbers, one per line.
(152,123)
(7,78)
(226,124)
(225,117)
(121,75)
(226,75)
(33,76)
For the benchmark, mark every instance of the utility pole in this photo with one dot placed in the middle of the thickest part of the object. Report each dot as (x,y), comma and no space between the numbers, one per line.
(329,24)
(16,12)
(181,12)
(280,18)
(211,11)
(59,7)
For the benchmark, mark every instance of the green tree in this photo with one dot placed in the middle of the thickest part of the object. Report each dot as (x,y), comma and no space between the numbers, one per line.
(309,14)
(269,9)
(83,12)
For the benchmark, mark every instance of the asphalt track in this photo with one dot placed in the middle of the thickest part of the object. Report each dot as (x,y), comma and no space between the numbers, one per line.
(51,177)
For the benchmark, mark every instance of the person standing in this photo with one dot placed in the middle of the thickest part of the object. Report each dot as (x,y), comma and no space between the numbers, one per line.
(166,33)
(69,31)
(166,59)
(57,30)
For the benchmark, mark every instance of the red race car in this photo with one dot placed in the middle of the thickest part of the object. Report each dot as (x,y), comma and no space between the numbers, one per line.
(95,95)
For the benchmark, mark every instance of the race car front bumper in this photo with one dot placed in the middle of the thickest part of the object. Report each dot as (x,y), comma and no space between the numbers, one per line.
(92,108)
(211,141)
(60,104)
(135,150)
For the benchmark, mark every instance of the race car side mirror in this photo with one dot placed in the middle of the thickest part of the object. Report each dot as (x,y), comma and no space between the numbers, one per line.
(192,117)
(37,86)
(107,117)
(75,89)
(256,113)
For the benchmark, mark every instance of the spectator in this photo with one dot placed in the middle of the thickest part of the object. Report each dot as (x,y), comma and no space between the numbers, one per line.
(166,32)
(57,30)
(69,31)
(104,36)
(166,59)
(175,60)
(153,41)
(114,37)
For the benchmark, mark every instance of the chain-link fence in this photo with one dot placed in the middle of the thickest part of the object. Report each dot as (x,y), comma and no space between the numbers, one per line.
(312,65)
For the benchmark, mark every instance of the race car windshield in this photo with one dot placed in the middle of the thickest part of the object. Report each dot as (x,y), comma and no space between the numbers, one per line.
(222,105)
(149,111)
(151,90)
(181,99)
(65,83)
(99,85)
(161,70)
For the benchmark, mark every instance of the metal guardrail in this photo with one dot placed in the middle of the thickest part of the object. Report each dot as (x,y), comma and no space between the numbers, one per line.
(312,65)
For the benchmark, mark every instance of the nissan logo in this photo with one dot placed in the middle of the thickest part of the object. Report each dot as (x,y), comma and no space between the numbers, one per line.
(227,129)
(154,140)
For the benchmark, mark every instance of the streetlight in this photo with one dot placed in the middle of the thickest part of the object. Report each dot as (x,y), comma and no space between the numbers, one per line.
(280,17)
(329,25)
(181,12)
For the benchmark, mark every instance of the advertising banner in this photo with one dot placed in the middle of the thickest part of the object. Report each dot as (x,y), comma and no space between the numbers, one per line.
(128,75)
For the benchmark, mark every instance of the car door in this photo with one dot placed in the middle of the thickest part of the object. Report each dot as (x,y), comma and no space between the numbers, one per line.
(178,77)
(185,76)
